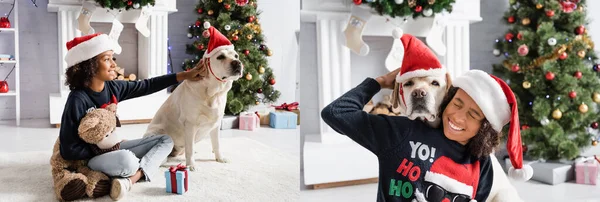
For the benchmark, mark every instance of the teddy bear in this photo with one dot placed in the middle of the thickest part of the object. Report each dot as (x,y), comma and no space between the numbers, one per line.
(73,179)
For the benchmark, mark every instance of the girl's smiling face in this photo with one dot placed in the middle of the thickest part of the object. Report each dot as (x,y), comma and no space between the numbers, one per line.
(106,67)
(462,118)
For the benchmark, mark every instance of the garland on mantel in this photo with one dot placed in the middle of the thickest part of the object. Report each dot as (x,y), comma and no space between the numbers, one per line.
(127,4)
(401,8)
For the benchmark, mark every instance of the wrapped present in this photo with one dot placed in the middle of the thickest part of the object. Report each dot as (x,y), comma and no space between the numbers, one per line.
(230,122)
(249,121)
(292,107)
(177,179)
(264,115)
(283,120)
(586,171)
(549,172)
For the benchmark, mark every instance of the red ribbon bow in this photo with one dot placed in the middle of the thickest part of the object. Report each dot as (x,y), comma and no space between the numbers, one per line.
(178,168)
(288,107)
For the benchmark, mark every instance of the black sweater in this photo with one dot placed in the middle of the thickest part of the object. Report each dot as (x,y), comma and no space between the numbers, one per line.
(72,147)
(412,156)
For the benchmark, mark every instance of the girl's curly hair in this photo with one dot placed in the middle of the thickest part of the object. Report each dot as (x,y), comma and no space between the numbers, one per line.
(486,139)
(80,75)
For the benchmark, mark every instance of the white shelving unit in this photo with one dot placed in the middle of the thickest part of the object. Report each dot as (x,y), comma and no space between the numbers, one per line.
(14,90)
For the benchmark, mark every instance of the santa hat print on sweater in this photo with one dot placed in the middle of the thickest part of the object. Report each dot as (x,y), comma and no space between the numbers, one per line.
(217,43)
(85,47)
(415,58)
(452,177)
(499,105)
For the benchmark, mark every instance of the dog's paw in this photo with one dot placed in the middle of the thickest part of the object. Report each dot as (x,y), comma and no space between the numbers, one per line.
(191,167)
(222,160)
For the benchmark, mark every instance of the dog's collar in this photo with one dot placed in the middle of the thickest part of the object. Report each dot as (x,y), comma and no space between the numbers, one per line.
(207,63)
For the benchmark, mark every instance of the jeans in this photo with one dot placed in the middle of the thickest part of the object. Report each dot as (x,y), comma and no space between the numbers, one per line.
(147,153)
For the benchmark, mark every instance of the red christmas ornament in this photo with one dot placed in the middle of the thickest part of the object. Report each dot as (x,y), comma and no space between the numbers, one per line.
(198,23)
(549,76)
(580,30)
(524,148)
(549,13)
(259,90)
(509,36)
(524,127)
(357,2)
(594,125)
(568,6)
(129,3)
(272,81)
(573,94)
(227,6)
(519,36)
(251,19)
(563,55)
(578,75)
(206,34)
(246,52)
(418,8)
(241,2)
(235,38)
(511,19)
(200,11)
(4,22)
(515,67)
(3,87)
(200,46)
(523,50)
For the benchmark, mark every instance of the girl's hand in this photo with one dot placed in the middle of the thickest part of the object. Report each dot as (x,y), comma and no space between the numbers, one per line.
(388,80)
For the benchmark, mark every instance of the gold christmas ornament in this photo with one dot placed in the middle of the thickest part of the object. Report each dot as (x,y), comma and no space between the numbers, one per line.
(257,103)
(210,12)
(431,2)
(594,143)
(525,21)
(526,84)
(248,76)
(556,114)
(583,108)
(220,1)
(249,36)
(236,32)
(261,70)
(580,8)
(581,53)
(412,3)
(539,6)
(269,52)
(596,97)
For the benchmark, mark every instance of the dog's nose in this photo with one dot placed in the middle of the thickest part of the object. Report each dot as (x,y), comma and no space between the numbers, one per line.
(236,64)
(419,93)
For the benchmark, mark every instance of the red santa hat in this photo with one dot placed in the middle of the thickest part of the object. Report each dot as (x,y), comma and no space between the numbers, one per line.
(454,177)
(217,43)
(499,105)
(85,47)
(417,59)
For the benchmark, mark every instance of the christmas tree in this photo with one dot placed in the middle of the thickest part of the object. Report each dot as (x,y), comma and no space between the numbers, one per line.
(549,64)
(238,20)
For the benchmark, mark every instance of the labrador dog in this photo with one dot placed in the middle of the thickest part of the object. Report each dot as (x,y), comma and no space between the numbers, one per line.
(420,97)
(195,108)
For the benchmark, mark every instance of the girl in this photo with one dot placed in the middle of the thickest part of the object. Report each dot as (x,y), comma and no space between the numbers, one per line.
(417,162)
(90,78)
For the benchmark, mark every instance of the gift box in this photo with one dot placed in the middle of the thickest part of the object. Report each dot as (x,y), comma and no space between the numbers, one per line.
(177,179)
(230,122)
(549,172)
(249,121)
(283,120)
(586,172)
(264,115)
(293,107)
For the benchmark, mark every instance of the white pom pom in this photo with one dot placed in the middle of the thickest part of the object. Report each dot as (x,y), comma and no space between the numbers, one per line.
(206,25)
(397,33)
(523,174)
(473,200)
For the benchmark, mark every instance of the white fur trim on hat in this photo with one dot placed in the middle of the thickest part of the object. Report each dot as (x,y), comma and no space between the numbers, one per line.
(217,49)
(90,48)
(437,72)
(488,95)
(523,174)
(448,183)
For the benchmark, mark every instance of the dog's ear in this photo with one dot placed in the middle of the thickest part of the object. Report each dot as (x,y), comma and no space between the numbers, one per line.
(448,81)
(397,106)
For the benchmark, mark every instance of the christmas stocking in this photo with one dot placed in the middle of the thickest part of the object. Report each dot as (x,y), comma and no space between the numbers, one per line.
(352,35)
(394,59)
(115,32)
(142,23)
(434,38)
(83,20)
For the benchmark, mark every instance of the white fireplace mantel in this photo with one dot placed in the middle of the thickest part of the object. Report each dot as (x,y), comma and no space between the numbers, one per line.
(152,52)
(329,156)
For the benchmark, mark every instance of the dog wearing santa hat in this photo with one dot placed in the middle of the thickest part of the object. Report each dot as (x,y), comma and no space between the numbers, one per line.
(195,109)
(421,83)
